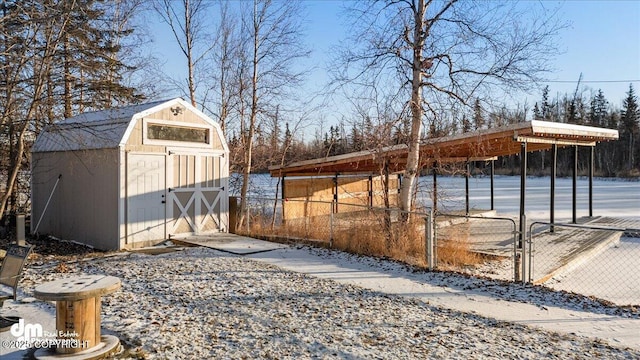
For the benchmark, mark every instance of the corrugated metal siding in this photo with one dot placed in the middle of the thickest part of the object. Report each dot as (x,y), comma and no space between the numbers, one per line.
(84,206)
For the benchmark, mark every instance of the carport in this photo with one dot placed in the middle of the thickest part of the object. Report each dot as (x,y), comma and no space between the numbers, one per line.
(484,145)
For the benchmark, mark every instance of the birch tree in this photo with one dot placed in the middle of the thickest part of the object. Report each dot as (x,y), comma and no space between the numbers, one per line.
(273,30)
(435,49)
(186,19)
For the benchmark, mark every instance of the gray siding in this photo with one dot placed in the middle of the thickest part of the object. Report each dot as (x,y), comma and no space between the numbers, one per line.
(84,206)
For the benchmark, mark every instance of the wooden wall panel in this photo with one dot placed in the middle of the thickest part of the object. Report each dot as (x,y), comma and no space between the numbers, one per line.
(309,197)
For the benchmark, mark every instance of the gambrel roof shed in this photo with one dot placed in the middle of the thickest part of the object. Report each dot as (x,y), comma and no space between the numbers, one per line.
(131,176)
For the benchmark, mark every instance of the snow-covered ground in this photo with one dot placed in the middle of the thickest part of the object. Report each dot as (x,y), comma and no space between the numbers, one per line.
(314,304)
(612,275)
(319,304)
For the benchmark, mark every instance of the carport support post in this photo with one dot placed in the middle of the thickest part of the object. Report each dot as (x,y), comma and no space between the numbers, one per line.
(335,193)
(591,166)
(519,258)
(492,174)
(575,184)
(435,187)
(466,186)
(370,190)
(552,200)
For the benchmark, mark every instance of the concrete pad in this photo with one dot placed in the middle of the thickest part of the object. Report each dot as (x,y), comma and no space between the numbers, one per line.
(231,243)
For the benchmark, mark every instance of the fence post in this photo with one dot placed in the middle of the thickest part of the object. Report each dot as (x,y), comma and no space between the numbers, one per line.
(247,217)
(429,240)
(519,251)
(331,226)
(530,257)
(20,238)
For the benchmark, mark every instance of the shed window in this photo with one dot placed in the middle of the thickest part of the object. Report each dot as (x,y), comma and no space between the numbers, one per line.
(178,133)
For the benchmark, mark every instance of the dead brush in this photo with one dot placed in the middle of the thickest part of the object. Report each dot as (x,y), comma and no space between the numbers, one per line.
(361,236)
(454,249)
(374,235)
(315,228)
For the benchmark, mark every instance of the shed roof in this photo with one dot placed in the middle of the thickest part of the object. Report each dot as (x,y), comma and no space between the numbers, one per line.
(102,129)
(479,145)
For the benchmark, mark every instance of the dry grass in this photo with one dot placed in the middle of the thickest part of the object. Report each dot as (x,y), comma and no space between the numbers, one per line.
(454,250)
(369,233)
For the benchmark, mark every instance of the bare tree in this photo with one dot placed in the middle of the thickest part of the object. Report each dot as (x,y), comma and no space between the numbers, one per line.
(273,32)
(434,49)
(28,48)
(186,19)
(226,64)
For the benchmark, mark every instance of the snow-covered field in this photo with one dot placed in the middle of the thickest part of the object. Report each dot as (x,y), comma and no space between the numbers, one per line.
(204,304)
(611,197)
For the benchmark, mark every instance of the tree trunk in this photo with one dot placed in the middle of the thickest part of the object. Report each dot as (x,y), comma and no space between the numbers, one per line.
(13,176)
(189,47)
(413,157)
(248,150)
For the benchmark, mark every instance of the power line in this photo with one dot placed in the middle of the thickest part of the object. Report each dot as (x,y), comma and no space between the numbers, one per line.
(592,81)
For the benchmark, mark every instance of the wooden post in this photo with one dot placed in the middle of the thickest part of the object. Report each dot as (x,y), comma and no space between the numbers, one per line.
(335,193)
(370,190)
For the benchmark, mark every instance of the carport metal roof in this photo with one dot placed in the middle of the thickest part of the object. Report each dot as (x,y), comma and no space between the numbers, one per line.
(478,145)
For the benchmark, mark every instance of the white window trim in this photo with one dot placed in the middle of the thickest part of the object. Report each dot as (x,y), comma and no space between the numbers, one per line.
(147,141)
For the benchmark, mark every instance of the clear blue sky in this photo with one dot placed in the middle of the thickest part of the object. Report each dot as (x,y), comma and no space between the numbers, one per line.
(602,42)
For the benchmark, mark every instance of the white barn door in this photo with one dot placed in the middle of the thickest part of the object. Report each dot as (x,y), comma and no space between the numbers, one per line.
(196,195)
(146,215)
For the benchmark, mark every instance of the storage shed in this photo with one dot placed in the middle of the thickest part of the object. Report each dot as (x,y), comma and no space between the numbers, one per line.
(131,177)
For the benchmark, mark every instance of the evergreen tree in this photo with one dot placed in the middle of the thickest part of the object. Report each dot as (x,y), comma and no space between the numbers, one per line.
(537,114)
(546,110)
(478,117)
(89,58)
(466,124)
(598,110)
(288,143)
(629,127)
(357,142)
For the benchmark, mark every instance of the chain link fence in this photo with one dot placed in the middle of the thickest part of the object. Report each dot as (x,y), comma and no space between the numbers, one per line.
(353,228)
(477,244)
(591,260)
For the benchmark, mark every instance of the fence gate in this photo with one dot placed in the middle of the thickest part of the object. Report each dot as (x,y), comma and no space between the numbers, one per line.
(196,194)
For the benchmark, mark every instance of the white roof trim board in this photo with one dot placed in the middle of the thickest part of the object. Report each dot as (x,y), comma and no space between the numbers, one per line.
(105,129)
